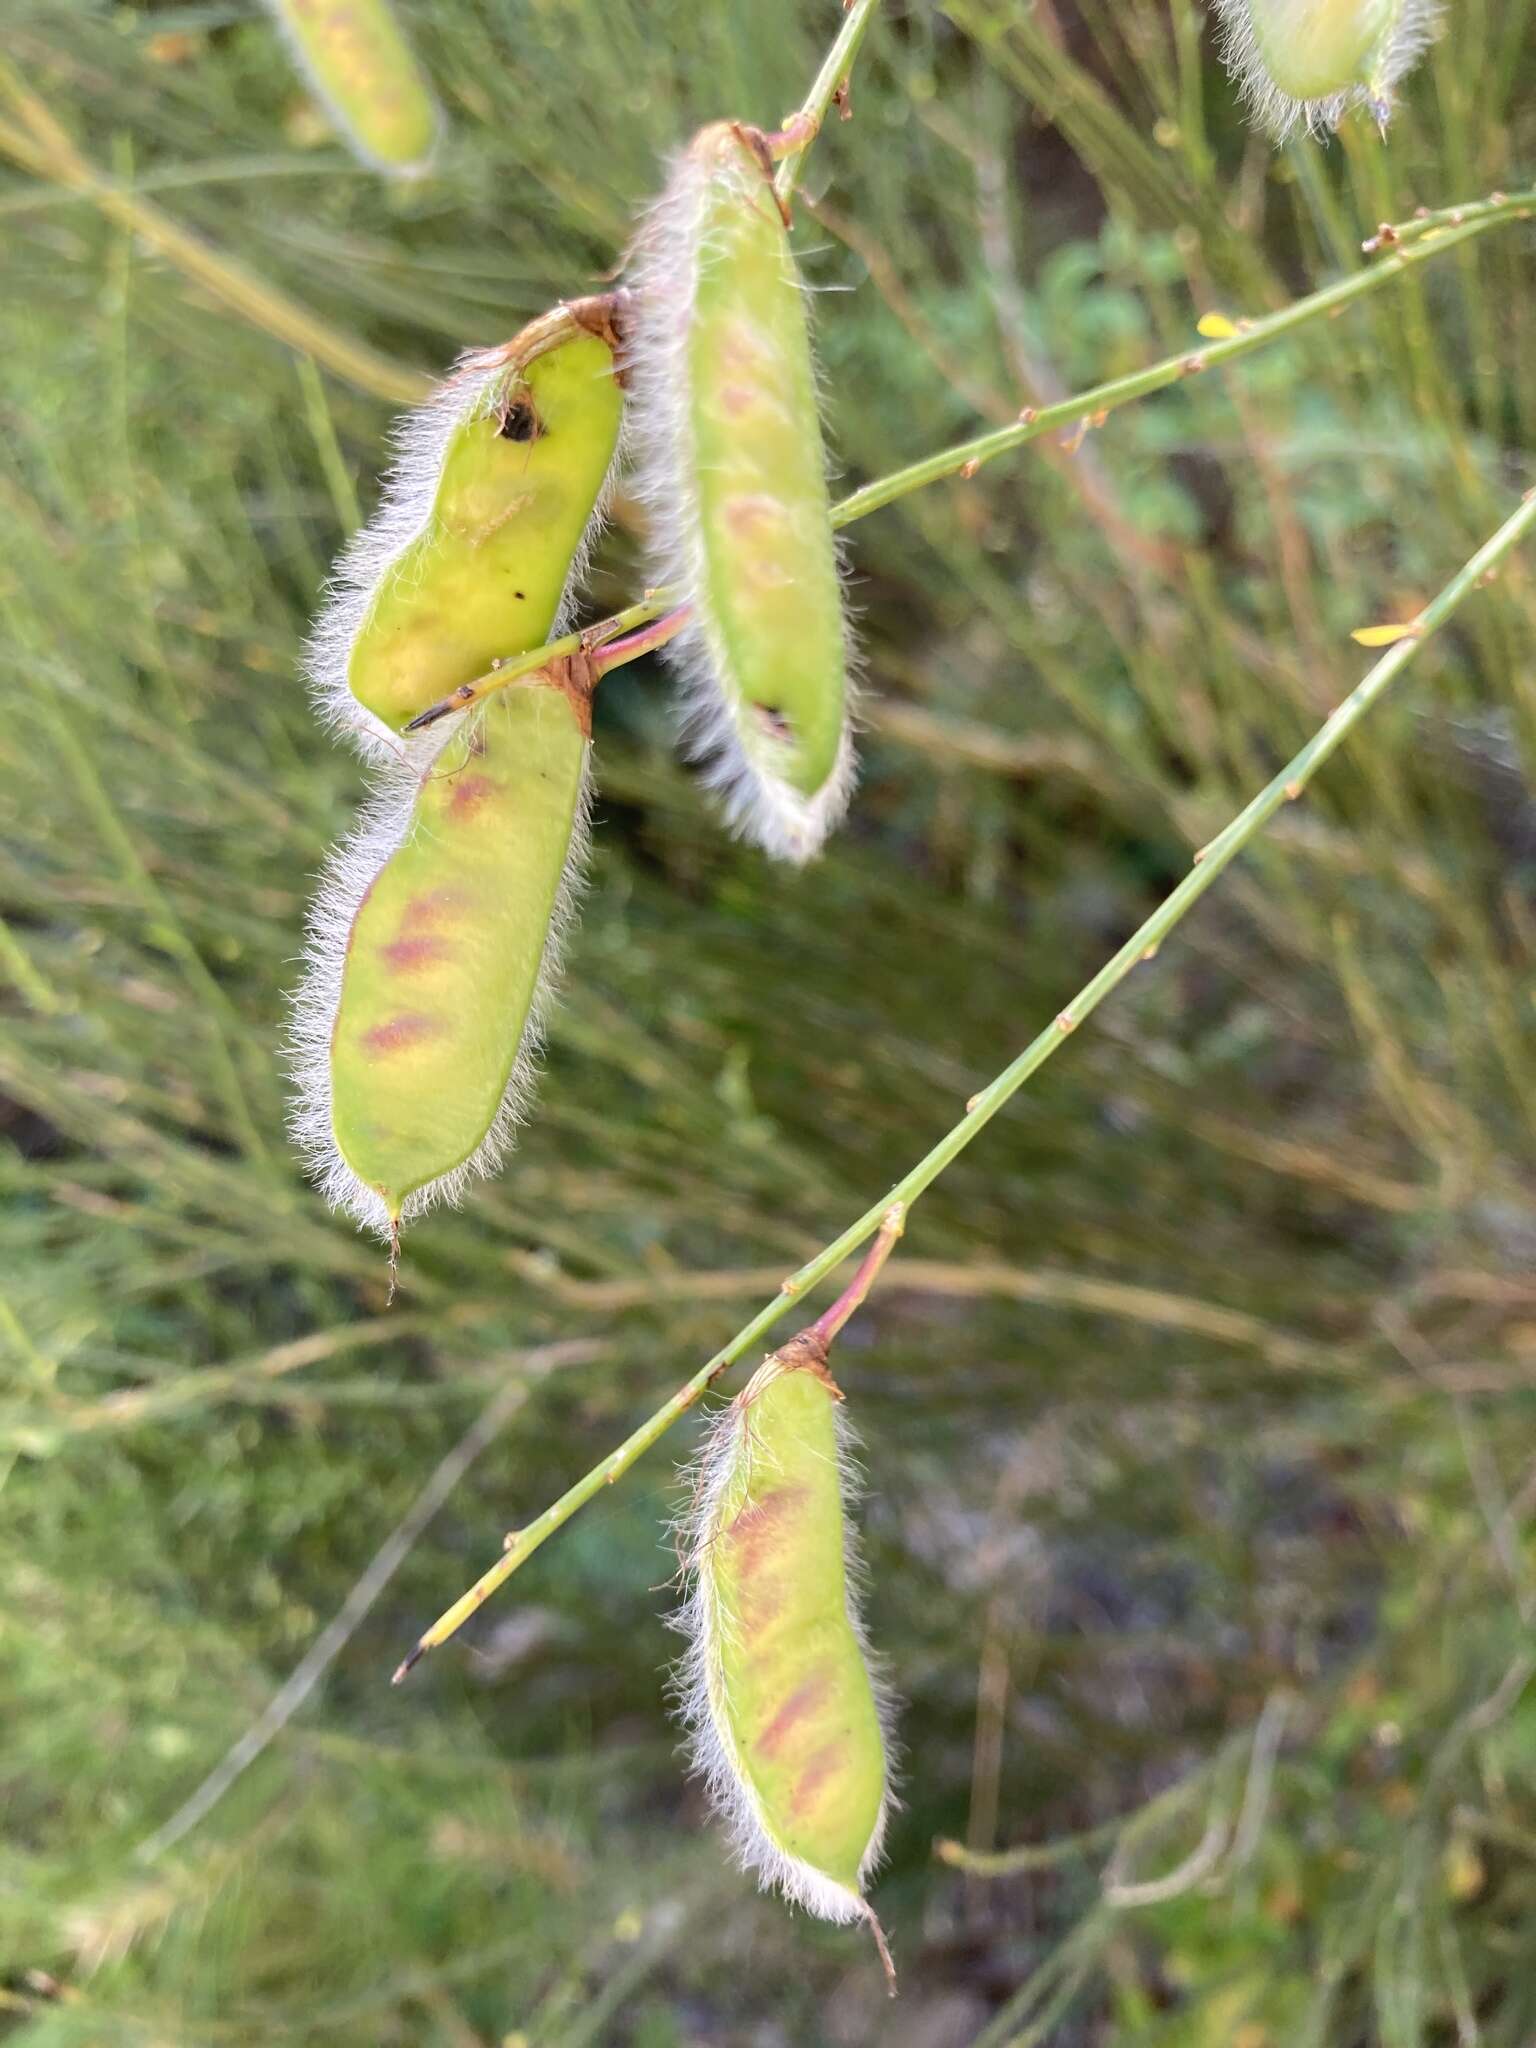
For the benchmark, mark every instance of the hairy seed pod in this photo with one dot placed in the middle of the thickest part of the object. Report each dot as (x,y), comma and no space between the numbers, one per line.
(1308,62)
(734,477)
(432,948)
(787,1725)
(488,515)
(356,58)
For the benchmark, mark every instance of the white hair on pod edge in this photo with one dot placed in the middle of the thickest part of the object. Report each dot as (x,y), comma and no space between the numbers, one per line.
(349,873)
(1402,46)
(420,440)
(697,1684)
(758,803)
(341,119)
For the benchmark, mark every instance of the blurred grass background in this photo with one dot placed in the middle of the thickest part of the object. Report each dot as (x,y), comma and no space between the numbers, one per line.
(1199,1421)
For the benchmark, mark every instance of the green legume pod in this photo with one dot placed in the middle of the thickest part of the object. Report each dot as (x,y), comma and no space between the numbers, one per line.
(787,1723)
(1308,62)
(357,60)
(488,514)
(432,949)
(733,473)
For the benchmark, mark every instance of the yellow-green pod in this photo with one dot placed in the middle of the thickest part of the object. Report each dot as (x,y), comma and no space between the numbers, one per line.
(787,1724)
(733,474)
(488,514)
(1308,62)
(432,948)
(359,64)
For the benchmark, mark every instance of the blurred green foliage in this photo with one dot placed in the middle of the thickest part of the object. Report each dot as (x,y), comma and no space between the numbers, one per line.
(1205,1406)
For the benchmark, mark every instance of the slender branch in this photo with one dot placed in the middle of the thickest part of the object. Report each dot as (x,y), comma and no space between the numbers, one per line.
(1476,219)
(603,647)
(591,640)
(1209,862)
(1416,242)
(615,653)
(831,78)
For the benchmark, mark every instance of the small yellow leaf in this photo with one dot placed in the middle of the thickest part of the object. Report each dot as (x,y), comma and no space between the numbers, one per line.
(1216,327)
(1384,636)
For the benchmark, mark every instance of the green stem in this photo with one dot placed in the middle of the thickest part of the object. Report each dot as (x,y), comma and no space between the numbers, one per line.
(28,979)
(1209,862)
(828,1327)
(615,653)
(1417,242)
(834,71)
(1416,245)
(592,640)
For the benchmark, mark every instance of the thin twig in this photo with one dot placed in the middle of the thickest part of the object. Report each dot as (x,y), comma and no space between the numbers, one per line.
(1267,1737)
(1028,1856)
(1041,1287)
(831,81)
(1477,218)
(1209,862)
(827,1327)
(1121,1891)
(630,646)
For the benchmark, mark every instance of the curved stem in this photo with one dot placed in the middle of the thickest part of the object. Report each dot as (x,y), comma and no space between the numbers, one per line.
(1211,861)
(828,1327)
(1414,243)
(832,76)
(615,653)
(592,640)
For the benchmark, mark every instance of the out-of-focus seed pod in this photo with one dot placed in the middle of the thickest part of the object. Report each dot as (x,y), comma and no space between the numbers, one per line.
(787,1723)
(488,515)
(1308,62)
(733,473)
(432,948)
(357,60)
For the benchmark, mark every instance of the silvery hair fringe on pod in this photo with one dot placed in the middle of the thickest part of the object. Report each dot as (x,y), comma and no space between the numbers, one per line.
(757,804)
(696,1679)
(420,440)
(1406,41)
(348,875)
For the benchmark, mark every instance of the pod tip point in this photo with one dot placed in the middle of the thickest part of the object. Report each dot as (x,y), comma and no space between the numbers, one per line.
(408,1664)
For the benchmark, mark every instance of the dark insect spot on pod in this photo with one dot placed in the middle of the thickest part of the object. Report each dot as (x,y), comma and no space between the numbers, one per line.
(519,422)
